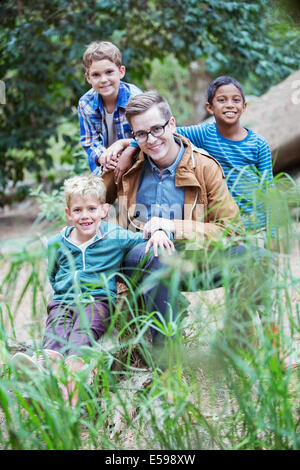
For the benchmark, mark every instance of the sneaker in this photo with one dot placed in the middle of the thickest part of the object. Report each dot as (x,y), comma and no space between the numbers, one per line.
(23,363)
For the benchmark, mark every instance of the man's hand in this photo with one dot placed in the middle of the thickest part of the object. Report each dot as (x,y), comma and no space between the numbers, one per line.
(125,162)
(109,158)
(155,224)
(160,240)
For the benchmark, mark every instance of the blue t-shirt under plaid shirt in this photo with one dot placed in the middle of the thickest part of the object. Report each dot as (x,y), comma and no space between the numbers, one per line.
(93,130)
(247,165)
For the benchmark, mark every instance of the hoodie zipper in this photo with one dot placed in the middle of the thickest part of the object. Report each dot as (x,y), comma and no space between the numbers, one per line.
(84,250)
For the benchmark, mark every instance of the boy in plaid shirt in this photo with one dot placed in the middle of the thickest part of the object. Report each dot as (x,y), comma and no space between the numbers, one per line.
(101,110)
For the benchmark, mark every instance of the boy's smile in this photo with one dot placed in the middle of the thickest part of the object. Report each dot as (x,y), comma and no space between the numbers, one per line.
(85,214)
(227,105)
(105,76)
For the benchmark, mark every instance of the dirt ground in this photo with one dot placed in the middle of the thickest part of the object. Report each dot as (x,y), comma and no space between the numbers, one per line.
(16,225)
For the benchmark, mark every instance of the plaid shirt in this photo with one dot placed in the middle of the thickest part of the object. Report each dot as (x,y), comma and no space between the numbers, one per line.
(93,130)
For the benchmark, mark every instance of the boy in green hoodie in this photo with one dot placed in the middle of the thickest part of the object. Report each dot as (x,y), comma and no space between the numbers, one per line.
(82,261)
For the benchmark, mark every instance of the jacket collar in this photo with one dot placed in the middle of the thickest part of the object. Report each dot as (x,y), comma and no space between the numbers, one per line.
(65,232)
(185,174)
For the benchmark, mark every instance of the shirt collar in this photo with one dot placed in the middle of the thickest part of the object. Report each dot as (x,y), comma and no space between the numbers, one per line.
(122,99)
(172,168)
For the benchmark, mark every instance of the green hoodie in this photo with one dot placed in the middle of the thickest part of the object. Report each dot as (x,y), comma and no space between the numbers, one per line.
(85,273)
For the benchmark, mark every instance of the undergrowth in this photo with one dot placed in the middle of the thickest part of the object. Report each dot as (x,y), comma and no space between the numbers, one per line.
(225,382)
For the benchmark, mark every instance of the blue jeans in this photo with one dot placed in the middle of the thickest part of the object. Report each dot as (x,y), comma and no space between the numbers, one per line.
(166,284)
(139,266)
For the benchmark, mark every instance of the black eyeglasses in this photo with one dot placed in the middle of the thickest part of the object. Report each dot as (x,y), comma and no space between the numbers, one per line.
(155,131)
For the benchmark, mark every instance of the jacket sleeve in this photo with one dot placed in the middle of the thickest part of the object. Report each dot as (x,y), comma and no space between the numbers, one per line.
(222,217)
(111,187)
(52,265)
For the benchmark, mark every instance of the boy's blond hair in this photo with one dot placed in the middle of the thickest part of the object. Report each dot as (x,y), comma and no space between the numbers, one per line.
(141,103)
(99,50)
(84,186)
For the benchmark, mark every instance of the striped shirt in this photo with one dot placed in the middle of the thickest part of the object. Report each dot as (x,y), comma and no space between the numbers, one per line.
(247,165)
(93,129)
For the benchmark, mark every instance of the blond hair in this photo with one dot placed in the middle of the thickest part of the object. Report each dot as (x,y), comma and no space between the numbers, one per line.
(84,186)
(140,103)
(99,50)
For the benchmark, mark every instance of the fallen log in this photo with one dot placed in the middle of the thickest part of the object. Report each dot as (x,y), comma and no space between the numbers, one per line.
(276,116)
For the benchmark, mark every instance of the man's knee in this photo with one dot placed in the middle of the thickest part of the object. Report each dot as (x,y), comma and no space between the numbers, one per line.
(137,258)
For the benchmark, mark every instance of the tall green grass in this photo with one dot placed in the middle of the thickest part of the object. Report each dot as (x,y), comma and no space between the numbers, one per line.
(226,384)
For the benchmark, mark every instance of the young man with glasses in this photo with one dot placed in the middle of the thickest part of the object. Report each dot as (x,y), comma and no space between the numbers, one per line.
(172,183)
(173,187)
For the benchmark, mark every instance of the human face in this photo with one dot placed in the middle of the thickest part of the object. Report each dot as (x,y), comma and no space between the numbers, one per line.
(227,105)
(105,76)
(85,214)
(162,150)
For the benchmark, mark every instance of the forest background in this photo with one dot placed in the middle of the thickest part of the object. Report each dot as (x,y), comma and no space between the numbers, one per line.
(169,45)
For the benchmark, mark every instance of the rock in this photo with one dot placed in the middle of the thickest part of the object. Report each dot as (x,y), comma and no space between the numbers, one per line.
(276,116)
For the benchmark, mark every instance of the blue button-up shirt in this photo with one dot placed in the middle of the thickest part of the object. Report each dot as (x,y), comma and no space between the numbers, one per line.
(93,130)
(157,195)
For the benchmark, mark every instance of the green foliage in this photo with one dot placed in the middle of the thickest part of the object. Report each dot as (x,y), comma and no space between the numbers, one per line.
(223,389)
(41,45)
(171,80)
(51,205)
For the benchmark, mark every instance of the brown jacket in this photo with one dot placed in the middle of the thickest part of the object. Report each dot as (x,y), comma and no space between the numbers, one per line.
(209,209)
